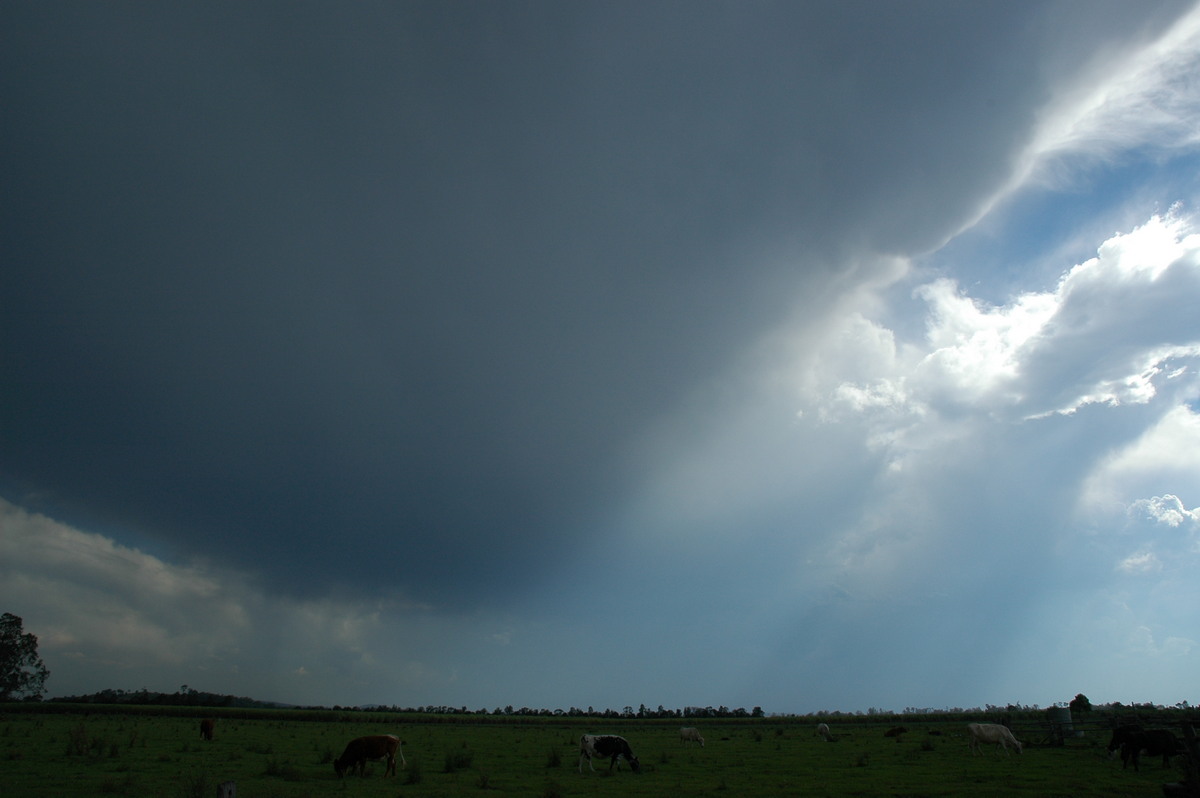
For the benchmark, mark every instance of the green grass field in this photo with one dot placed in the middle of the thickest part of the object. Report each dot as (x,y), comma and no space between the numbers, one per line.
(158,755)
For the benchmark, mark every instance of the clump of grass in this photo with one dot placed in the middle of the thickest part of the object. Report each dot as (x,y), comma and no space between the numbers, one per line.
(115,786)
(483,780)
(553,790)
(96,746)
(414,773)
(284,770)
(77,740)
(458,760)
(553,759)
(196,785)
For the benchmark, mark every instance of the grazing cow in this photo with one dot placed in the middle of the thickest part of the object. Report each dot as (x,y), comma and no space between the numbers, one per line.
(1132,739)
(690,734)
(374,747)
(991,733)
(823,730)
(206,728)
(606,745)
(895,731)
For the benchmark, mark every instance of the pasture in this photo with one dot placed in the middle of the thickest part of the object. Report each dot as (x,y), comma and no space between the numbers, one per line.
(158,755)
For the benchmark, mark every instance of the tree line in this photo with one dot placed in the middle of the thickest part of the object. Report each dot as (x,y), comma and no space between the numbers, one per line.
(184,697)
(23,678)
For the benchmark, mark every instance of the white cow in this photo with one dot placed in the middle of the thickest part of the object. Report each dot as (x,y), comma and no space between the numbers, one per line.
(690,734)
(823,730)
(991,733)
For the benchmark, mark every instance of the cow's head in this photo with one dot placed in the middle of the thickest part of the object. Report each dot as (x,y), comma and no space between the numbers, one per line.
(635,765)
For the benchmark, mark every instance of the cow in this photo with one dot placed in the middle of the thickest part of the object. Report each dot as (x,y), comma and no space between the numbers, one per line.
(1132,739)
(690,734)
(374,747)
(896,731)
(823,731)
(606,745)
(206,728)
(991,733)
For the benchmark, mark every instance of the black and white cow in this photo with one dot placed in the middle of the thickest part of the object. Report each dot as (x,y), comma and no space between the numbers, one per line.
(606,746)
(1132,739)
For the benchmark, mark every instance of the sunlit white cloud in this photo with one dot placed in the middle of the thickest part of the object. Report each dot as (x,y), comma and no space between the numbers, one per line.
(1169,510)
(1143,640)
(1141,563)
(1113,331)
(1163,463)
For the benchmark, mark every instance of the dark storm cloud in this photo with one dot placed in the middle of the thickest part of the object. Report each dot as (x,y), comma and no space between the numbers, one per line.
(377,295)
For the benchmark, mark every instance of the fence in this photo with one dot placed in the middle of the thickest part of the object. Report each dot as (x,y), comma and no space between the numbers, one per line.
(1057,726)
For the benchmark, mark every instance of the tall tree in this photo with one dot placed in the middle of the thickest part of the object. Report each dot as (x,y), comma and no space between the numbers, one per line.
(22,672)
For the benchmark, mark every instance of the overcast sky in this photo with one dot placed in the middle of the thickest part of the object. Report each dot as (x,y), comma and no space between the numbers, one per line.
(822,355)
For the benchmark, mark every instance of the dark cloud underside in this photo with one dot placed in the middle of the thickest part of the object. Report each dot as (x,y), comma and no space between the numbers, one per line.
(380,296)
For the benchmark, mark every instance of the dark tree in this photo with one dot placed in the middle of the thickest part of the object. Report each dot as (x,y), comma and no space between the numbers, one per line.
(22,672)
(1080,703)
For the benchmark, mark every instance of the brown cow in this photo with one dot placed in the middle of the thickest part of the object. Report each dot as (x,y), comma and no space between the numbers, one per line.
(374,747)
(206,728)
